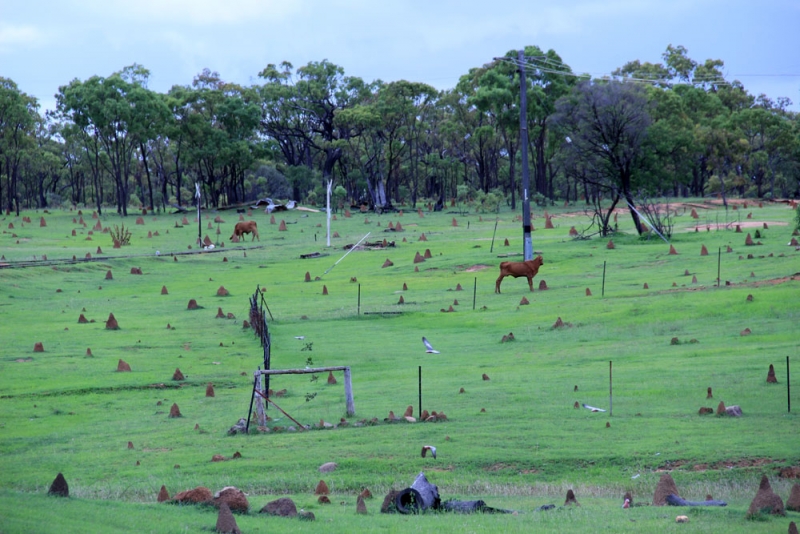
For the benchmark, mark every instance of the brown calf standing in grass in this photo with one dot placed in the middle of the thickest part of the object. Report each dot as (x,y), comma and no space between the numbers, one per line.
(248,227)
(516,269)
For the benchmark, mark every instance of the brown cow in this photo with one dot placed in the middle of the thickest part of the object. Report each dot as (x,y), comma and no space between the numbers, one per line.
(516,269)
(248,227)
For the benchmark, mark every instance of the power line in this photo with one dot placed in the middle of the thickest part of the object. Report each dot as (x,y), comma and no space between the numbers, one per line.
(530,65)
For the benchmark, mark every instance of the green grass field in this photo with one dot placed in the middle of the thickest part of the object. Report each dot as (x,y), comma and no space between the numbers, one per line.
(515,441)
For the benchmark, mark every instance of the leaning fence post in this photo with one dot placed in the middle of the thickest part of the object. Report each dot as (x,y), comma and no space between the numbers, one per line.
(348,393)
(603,290)
(252,398)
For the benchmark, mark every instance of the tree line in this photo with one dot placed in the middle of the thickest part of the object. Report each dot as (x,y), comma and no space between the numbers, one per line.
(676,128)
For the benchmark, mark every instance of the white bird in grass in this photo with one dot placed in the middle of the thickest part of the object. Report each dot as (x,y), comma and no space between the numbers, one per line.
(429,347)
(592,408)
(426,448)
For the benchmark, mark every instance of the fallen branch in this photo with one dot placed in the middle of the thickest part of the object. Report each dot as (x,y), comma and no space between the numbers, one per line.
(300,427)
(674,500)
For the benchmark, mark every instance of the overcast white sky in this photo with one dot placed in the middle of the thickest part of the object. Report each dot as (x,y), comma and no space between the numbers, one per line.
(48,43)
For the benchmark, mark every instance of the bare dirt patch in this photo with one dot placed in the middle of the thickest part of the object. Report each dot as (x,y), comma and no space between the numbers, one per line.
(476,268)
(715,466)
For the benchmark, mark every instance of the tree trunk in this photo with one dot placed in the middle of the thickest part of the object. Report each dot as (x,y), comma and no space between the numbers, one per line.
(147,172)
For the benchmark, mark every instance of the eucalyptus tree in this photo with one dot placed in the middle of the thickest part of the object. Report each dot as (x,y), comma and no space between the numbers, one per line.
(219,125)
(44,169)
(470,135)
(299,108)
(497,95)
(768,132)
(115,112)
(78,172)
(606,125)
(364,156)
(725,150)
(403,108)
(152,116)
(18,119)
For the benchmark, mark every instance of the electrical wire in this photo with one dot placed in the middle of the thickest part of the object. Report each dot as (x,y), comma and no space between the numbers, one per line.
(534,65)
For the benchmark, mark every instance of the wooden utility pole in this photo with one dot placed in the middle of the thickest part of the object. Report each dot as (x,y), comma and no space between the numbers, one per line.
(527,244)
